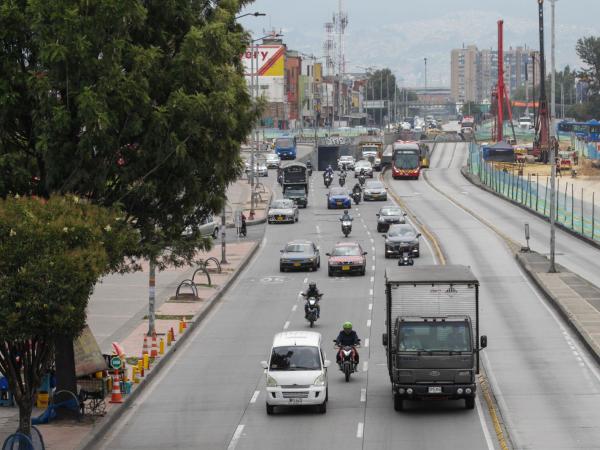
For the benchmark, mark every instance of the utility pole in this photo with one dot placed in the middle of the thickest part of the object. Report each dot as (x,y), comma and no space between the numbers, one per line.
(425,75)
(553,68)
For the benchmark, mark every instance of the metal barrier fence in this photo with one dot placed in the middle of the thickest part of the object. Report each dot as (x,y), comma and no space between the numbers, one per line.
(575,209)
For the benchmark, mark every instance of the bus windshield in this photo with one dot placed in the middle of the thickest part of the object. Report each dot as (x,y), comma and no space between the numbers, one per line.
(284,142)
(406,160)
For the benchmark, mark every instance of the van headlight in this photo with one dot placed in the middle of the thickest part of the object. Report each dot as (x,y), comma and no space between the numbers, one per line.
(320,380)
(271,382)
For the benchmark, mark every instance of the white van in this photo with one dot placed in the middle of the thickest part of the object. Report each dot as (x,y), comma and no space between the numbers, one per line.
(296,372)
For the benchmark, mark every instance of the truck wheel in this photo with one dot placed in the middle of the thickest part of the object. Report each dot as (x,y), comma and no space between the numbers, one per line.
(270,409)
(398,402)
(470,402)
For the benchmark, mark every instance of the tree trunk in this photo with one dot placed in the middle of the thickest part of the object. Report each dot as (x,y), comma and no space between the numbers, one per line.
(25,407)
(66,379)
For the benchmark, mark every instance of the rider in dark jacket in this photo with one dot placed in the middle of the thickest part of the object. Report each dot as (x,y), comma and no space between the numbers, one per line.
(312,291)
(348,337)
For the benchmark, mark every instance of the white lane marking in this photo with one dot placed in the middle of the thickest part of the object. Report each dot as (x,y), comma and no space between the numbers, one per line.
(372,279)
(370,306)
(305,280)
(373,257)
(373,268)
(318,230)
(368,232)
(484,427)
(254,396)
(366,342)
(373,248)
(286,325)
(371,293)
(365,366)
(368,323)
(236,437)
(359,430)
(294,308)
(372,240)
(363,395)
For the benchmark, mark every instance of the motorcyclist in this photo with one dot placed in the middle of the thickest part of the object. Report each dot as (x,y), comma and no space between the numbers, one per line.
(308,164)
(346,216)
(347,338)
(312,291)
(328,172)
(357,188)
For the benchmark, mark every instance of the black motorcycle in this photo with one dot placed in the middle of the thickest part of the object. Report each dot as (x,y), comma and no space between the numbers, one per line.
(327,180)
(346,227)
(356,197)
(362,179)
(406,259)
(312,308)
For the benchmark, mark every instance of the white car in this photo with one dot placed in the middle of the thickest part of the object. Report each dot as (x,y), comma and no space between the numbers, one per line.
(273,161)
(260,169)
(208,227)
(363,164)
(282,210)
(346,162)
(405,126)
(296,372)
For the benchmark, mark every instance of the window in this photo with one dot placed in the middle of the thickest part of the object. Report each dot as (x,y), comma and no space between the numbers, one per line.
(295,358)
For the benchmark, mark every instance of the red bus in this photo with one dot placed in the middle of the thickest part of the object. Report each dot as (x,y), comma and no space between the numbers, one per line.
(406,160)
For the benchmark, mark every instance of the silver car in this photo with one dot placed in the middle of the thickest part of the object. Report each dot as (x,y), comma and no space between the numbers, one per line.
(346,162)
(272,161)
(299,255)
(208,227)
(363,165)
(374,190)
(282,210)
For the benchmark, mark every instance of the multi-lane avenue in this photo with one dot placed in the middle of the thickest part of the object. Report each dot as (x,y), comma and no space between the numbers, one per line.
(211,394)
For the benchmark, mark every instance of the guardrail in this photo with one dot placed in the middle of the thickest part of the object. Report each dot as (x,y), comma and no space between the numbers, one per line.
(575,210)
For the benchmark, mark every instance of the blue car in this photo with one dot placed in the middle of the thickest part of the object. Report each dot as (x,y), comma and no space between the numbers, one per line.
(338,198)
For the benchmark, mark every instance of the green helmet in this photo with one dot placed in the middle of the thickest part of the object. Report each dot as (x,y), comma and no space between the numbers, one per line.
(347,326)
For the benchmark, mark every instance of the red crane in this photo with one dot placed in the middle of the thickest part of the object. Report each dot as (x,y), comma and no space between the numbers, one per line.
(500,95)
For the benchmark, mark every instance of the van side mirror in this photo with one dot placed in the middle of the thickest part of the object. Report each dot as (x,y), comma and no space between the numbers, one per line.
(364,253)
(264,364)
(483,343)
(326,363)
(281,251)
(377,214)
(328,254)
(384,339)
(419,235)
(384,236)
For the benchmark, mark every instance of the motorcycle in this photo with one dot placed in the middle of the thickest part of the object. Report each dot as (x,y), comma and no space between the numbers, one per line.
(347,361)
(312,309)
(356,197)
(406,259)
(327,180)
(362,179)
(346,227)
(342,179)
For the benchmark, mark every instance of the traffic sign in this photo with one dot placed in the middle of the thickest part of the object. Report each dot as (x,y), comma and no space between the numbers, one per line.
(115,362)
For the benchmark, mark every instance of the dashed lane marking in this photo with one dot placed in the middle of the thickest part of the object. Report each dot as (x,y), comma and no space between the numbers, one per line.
(286,325)
(371,293)
(366,342)
(294,308)
(365,366)
(254,396)
(236,437)
(359,430)
(372,279)
(363,395)
(370,306)
(368,323)
(373,268)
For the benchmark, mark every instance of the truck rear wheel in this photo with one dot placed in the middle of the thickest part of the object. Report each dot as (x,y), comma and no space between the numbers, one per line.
(470,402)
(398,402)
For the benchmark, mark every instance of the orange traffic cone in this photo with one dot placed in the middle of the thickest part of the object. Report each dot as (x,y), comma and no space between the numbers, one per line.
(184,323)
(154,349)
(173,335)
(116,396)
(145,347)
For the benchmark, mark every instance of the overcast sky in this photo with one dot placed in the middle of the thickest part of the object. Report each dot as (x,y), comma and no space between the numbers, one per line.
(399,33)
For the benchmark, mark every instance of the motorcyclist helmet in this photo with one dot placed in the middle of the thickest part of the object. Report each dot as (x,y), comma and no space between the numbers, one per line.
(345,212)
(347,326)
(312,285)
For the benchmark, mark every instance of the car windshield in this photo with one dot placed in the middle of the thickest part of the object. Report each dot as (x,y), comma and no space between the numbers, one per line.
(281,204)
(337,191)
(295,191)
(401,231)
(363,164)
(346,250)
(345,158)
(272,156)
(434,336)
(295,358)
(374,185)
(391,212)
(297,248)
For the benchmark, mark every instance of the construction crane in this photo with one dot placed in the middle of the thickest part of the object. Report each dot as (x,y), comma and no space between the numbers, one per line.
(541,143)
(499,94)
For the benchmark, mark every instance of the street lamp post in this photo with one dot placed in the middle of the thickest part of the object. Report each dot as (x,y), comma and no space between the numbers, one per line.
(255,14)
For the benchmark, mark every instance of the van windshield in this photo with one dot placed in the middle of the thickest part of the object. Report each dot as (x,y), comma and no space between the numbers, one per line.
(434,336)
(295,358)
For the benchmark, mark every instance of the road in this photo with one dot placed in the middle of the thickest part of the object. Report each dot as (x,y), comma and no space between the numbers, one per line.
(546,383)
(212,394)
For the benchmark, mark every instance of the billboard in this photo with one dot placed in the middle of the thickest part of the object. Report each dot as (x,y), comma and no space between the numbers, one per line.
(269,64)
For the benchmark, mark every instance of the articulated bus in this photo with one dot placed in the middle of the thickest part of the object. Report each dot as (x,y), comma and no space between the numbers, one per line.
(406,160)
(590,131)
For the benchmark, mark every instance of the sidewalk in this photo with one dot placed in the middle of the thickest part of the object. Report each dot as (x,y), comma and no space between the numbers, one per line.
(118,309)
(577,300)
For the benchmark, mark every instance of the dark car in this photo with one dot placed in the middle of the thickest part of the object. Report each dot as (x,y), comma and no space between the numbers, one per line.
(347,257)
(297,193)
(374,190)
(338,198)
(389,215)
(401,238)
(300,255)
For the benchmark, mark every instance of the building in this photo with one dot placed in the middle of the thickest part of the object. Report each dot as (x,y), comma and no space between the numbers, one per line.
(293,69)
(464,69)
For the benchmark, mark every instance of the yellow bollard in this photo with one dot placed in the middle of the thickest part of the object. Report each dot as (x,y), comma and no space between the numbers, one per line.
(181,326)
(169,338)
(146,362)
(161,347)
(134,375)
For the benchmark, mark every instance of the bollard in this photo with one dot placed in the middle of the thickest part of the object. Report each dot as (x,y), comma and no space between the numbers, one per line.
(154,348)
(140,367)
(172,335)
(161,347)
(134,375)
(169,338)
(180,327)
(146,362)
(184,322)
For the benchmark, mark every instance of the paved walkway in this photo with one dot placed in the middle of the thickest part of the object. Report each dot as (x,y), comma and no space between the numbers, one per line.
(577,299)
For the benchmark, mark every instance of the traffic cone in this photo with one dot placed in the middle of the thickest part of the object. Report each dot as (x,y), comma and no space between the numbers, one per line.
(169,339)
(154,349)
(161,347)
(184,323)
(145,347)
(173,335)
(116,396)
(181,326)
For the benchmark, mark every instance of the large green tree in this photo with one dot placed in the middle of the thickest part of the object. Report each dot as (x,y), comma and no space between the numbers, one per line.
(51,255)
(136,103)
(588,50)
(381,85)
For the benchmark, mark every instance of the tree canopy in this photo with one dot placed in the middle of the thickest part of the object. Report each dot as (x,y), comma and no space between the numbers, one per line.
(588,50)
(137,103)
(51,255)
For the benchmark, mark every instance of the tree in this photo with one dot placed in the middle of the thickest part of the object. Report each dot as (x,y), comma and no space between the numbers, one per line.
(51,255)
(381,85)
(588,50)
(471,109)
(130,103)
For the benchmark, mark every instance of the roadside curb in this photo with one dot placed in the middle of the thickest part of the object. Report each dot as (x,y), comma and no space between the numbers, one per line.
(96,433)
(558,305)
(474,180)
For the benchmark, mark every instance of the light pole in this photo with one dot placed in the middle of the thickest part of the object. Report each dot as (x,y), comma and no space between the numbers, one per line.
(553,69)
(255,14)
